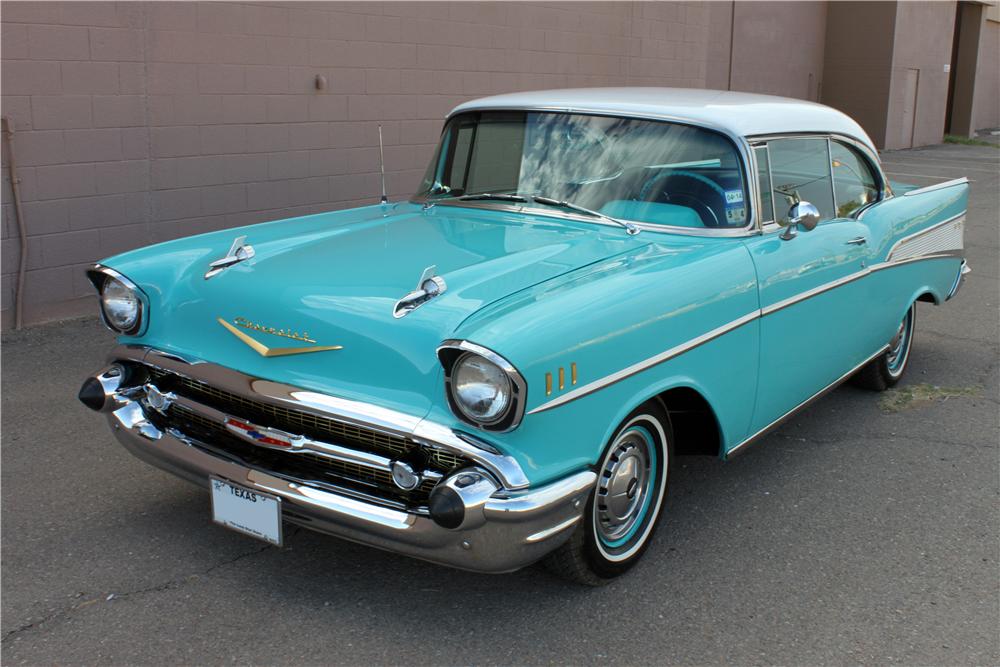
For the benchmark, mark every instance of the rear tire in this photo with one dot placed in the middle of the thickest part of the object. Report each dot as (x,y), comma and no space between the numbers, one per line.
(624,508)
(887,369)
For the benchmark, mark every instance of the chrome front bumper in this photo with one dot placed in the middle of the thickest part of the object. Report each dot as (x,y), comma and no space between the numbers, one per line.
(508,529)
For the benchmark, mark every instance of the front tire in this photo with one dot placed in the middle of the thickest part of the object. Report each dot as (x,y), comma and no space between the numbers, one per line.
(625,506)
(887,369)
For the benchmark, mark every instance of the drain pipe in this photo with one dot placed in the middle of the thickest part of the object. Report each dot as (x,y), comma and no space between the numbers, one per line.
(8,132)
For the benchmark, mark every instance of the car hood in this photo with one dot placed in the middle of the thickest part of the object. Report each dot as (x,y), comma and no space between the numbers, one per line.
(334,278)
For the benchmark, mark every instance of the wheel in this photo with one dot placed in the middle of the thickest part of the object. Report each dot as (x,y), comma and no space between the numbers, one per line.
(885,370)
(624,508)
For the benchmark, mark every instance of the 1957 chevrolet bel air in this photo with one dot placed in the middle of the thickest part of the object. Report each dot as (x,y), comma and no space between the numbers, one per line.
(502,369)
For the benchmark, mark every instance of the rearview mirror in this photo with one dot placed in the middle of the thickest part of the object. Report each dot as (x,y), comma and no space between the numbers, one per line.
(802,214)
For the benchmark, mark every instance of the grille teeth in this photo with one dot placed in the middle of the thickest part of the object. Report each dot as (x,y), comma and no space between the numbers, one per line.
(304,464)
(353,471)
(304,423)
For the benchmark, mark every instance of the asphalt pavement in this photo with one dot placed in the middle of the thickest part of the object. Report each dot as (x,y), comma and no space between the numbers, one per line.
(864,531)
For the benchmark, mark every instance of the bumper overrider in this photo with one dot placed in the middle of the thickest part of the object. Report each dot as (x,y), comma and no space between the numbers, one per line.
(481,516)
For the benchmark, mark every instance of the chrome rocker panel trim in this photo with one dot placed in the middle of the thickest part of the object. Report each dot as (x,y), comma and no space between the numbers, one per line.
(513,531)
(506,470)
(741,447)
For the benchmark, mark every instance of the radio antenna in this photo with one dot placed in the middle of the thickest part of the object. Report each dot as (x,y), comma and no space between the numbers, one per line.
(381,164)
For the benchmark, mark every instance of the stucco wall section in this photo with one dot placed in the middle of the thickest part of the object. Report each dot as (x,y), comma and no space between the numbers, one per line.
(857,72)
(779,48)
(986,101)
(923,40)
(142,122)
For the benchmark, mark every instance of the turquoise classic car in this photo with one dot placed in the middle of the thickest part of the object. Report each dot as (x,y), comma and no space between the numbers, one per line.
(503,368)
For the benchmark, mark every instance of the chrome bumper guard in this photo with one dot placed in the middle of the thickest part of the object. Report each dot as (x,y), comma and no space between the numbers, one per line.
(504,528)
(963,271)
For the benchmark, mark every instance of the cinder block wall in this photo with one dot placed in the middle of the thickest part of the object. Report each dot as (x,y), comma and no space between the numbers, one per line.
(143,122)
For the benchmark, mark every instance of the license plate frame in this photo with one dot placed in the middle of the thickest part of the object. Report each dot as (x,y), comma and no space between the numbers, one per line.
(247,511)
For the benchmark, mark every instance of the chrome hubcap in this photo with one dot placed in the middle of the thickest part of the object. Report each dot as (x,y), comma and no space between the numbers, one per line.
(897,346)
(624,483)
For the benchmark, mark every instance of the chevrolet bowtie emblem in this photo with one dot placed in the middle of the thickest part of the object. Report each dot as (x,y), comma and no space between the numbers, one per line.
(264,350)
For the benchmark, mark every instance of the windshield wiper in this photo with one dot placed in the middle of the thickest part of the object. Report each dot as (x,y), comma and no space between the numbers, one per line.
(630,229)
(492,195)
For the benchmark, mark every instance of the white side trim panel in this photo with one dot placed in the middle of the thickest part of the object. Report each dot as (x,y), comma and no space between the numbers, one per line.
(945,237)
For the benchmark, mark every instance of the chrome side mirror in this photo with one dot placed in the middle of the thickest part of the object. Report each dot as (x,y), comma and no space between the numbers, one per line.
(803,215)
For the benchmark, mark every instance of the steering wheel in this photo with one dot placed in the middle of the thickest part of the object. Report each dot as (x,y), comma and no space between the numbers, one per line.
(691,198)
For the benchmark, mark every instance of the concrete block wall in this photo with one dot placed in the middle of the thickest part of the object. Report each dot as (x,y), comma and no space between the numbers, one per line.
(142,122)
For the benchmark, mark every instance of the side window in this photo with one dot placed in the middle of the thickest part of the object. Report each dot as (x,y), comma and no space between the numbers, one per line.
(764,180)
(854,182)
(800,171)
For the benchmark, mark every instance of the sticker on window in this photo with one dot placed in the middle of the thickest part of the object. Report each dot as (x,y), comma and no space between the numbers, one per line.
(736,215)
(734,196)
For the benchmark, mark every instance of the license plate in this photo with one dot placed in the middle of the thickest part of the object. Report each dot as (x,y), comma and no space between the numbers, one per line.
(247,511)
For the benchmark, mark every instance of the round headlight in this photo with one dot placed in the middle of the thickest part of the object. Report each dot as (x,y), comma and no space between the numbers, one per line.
(120,304)
(481,389)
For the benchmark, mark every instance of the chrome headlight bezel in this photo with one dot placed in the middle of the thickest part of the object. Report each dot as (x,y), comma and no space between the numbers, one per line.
(451,352)
(101,277)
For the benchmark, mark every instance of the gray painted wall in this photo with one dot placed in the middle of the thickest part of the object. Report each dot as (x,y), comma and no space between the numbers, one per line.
(143,122)
(139,122)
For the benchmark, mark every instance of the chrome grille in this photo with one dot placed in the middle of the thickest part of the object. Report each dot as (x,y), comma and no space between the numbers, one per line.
(304,423)
(340,469)
(301,465)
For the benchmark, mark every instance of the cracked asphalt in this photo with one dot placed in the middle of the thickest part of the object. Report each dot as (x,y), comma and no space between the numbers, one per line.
(865,531)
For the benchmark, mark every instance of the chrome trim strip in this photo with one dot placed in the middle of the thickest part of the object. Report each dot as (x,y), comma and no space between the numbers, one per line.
(937,186)
(881,266)
(819,289)
(645,364)
(513,415)
(607,380)
(819,394)
(506,469)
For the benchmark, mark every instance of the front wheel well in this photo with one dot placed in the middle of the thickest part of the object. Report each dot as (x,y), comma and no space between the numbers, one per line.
(692,419)
(928,297)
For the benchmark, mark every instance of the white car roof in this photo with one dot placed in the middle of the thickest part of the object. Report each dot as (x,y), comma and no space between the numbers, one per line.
(741,114)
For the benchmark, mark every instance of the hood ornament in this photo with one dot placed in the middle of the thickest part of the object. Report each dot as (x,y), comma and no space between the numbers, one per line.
(238,252)
(428,287)
(264,350)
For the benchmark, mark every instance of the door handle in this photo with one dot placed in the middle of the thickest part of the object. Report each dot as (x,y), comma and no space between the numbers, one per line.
(861,240)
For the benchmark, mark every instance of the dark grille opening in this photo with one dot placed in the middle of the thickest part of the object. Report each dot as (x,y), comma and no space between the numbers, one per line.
(301,465)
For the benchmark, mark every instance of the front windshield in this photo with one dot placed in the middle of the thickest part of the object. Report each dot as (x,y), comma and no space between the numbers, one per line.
(626,168)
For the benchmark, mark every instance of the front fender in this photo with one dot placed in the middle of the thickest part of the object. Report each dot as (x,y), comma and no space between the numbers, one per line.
(613,322)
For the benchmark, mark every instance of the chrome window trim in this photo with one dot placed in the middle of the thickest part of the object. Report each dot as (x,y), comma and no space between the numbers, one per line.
(759,189)
(512,417)
(740,142)
(885,191)
(140,325)
(505,468)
